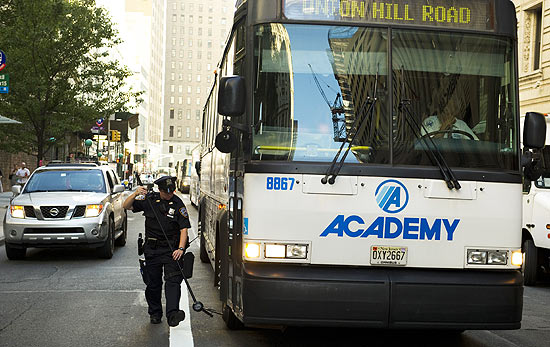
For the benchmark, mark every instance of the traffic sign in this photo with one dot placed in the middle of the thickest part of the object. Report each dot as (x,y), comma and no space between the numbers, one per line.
(2,60)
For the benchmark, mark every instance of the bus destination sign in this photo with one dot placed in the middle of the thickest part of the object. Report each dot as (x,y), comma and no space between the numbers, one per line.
(458,14)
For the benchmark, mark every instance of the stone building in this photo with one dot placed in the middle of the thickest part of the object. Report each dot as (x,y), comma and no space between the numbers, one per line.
(534,55)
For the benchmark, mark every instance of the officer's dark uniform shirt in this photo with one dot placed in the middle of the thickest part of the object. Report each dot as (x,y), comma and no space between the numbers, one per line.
(172,213)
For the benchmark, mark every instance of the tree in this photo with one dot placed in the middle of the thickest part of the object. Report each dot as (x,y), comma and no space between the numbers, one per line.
(61,74)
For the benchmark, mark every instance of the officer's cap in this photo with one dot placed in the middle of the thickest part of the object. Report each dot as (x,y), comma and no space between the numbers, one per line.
(166,183)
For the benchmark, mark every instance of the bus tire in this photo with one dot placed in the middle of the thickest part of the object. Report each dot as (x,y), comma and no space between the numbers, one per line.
(204,253)
(231,321)
(530,263)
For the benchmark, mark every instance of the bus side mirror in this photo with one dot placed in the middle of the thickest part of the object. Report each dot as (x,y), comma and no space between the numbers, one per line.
(231,96)
(226,141)
(534,130)
(534,137)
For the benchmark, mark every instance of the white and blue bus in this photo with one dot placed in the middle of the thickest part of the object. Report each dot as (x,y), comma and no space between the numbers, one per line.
(361,166)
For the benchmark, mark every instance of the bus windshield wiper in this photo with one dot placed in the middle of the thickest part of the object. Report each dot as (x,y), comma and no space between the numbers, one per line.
(357,127)
(432,148)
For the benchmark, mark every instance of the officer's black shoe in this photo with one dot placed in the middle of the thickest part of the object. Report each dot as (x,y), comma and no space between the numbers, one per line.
(175,318)
(155,319)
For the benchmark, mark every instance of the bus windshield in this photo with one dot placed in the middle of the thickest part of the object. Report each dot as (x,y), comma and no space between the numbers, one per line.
(314,82)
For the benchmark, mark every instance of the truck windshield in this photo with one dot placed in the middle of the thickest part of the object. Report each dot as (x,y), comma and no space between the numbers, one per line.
(314,82)
(66,180)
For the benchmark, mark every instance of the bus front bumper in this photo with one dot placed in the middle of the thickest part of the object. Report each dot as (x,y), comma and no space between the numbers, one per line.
(275,294)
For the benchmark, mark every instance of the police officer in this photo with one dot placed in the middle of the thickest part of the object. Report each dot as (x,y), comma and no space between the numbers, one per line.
(166,208)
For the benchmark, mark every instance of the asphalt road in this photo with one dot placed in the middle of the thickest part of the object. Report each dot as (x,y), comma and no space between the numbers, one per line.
(62,297)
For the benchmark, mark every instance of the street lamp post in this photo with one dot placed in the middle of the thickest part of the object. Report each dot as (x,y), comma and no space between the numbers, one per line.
(88,143)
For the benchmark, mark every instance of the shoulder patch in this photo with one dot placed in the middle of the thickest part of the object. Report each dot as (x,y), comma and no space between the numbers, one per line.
(183,212)
(140,197)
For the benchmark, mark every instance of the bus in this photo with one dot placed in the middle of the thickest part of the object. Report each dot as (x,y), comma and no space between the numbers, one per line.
(361,165)
(184,175)
(194,187)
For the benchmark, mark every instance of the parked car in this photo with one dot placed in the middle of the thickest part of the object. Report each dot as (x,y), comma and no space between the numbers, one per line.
(67,205)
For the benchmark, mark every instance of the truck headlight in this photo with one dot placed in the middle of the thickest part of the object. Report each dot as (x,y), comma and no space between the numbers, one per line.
(17,211)
(93,210)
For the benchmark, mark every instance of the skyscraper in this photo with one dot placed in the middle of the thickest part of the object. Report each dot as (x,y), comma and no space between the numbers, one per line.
(195,34)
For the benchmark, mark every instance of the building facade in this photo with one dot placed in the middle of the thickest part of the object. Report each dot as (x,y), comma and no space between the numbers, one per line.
(196,32)
(534,55)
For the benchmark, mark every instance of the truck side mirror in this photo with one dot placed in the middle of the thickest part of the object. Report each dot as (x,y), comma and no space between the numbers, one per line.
(534,130)
(534,137)
(231,96)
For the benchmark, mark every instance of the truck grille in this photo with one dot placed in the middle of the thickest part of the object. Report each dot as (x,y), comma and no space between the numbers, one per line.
(54,211)
(53,231)
(29,212)
(79,211)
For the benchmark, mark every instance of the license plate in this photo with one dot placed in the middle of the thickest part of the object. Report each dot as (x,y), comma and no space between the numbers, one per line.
(385,255)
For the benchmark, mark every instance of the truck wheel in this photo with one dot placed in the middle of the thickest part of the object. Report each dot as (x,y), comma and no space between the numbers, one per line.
(15,253)
(231,321)
(530,265)
(106,251)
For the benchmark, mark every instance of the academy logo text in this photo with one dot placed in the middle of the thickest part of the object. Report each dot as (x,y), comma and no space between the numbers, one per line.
(392,197)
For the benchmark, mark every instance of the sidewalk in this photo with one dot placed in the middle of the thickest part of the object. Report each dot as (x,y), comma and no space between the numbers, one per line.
(4,202)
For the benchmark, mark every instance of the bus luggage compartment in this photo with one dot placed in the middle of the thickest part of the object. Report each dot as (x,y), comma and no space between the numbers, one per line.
(290,295)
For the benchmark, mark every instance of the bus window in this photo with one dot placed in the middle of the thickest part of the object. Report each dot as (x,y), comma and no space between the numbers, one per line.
(461,90)
(312,83)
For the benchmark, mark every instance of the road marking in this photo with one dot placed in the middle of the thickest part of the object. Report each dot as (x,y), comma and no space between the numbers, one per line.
(182,334)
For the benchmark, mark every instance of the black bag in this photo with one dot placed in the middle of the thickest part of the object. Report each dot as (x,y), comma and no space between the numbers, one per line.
(188,261)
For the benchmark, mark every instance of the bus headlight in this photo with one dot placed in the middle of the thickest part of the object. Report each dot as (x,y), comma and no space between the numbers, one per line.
(252,250)
(296,251)
(517,258)
(497,257)
(477,257)
(275,251)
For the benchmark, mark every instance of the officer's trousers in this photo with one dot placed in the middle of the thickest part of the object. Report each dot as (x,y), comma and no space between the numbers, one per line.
(157,259)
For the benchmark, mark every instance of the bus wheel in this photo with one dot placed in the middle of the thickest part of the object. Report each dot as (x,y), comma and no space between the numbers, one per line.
(204,253)
(530,265)
(231,321)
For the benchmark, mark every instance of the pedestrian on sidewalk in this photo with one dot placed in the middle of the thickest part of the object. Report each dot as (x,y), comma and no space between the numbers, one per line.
(23,174)
(13,175)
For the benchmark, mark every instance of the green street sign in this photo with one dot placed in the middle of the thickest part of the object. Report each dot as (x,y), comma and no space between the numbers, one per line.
(4,83)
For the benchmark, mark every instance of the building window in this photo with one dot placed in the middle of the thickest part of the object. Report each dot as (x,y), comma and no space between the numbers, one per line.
(190,54)
(180,88)
(173,65)
(198,78)
(199,55)
(171,131)
(174,18)
(179,131)
(537,18)
(209,44)
(200,19)
(187,132)
(191,31)
(180,114)
(223,21)
(209,31)
(197,114)
(200,31)
(197,133)
(178,149)
(190,19)
(210,20)
(171,113)
(188,101)
(187,150)
(198,101)
(189,78)
(173,53)
(173,41)
(188,114)
(170,149)
(172,88)
(180,100)
(209,55)
(188,89)
(182,42)
(172,100)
